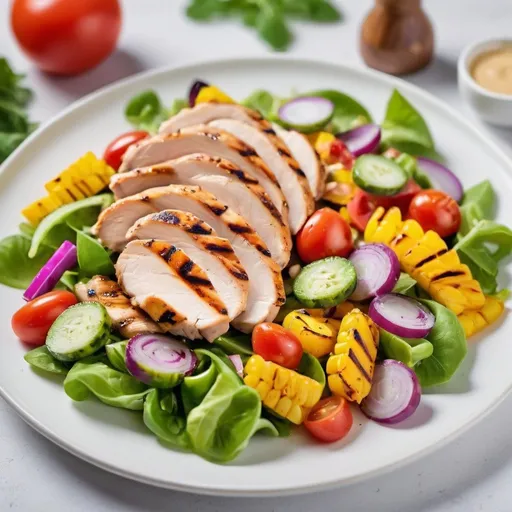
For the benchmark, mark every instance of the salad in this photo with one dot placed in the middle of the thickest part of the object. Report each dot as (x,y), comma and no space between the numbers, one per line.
(230,269)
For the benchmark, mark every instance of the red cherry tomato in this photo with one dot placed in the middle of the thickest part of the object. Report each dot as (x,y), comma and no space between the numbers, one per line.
(330,419)
(326,233)
(362,206)
(66,36)
(32,321)
(436,211)
(341,154)
(117,148)
(275,343)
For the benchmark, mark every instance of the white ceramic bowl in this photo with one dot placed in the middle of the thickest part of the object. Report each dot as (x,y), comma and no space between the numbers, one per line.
(492,107)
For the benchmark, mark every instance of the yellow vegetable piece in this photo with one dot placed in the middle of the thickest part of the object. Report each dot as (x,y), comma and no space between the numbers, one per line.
(212,94)
(426,258)
(286,392)
(475,321)
(350,368)
(317,335)
(83,178)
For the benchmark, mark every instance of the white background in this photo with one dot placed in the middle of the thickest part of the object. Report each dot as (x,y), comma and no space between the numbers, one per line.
(471,474)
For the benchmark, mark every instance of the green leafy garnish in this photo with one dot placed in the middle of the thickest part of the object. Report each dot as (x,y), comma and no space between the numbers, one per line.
(408,351)
(270,18)
(146,112)
(93,258)
(41,358)
(404,284)
(14,124)
(116,353)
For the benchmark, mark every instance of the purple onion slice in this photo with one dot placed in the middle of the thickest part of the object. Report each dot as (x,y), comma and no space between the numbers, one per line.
(306,114)
(401,315)
(238,364)
(159,361)
(64,258)
(361,140)
(442,178)
(377,268)
(395,393)
(194,91)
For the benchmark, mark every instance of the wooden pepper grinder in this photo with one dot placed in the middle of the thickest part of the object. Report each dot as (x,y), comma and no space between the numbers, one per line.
(397,37)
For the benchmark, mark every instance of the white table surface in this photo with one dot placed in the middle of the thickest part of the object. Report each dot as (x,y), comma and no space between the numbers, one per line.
(471,474)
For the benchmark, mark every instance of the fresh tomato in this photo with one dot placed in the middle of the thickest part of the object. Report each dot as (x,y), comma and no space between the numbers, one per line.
(66,37)
(326,233)
(117,148)
(330,419)
(275,343)
(32,321)
(362,206)
(339,153)
(436,211)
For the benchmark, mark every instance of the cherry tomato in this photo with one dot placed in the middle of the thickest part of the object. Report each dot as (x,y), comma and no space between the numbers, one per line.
(326,233)
(339,153)
(32,321)
(277,344)
(66,36)
(117,148)
(330,419)
(362,206)
(437,211)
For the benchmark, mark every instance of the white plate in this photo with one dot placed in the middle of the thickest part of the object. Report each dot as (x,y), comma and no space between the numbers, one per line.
(117,440)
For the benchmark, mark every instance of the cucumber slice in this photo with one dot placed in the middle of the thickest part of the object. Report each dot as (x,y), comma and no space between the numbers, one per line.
(325,283)
(79,331)
(379,175)
(306,114)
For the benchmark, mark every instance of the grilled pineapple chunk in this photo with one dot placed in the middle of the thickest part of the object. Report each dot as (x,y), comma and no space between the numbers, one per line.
(316,334)
(286,392)
(350,368)
(426,258)
(475,321)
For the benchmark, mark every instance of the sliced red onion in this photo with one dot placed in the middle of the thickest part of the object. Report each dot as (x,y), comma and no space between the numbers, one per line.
(194,91)
(64,258)
(442,178)
(377,268)
(306,113)
(395,393)
(238,364)
(159,361)
(361,140)
(401,315)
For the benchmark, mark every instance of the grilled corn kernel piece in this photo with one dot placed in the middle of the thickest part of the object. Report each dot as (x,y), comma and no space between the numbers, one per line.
(475,321)
(212,94)
(317,335)
(350,367)
(426,258)
(288,393)
(39,209)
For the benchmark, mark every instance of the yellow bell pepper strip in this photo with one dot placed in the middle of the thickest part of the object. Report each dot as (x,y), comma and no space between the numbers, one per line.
(284,391)
(350,368)
(212,94)
(83,178)
(475,321)
(426,258)
(316,334)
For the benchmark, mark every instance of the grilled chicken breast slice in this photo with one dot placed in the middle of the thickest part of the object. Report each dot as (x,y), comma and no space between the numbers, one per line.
(266,290)
(126,318)
(225,181)
(209,141)
(305,154)
(173,290)
(201,244)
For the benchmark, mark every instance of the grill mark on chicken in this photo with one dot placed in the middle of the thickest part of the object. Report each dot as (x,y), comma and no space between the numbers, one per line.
(240,229)
(430,258)
(247,152)
(162,313)
(218,248)
(271,207)
(167,217)
(354,359)
(297,170)
(243,177)
(167,254)
(144,199)
(217,210)
(269,131)
(282,151)
(239,274)
(167,317)
(263,250)
(199,229)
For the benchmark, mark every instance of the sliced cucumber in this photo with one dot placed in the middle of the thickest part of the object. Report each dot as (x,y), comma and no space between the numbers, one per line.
(306,114)
(79,331)
(325,283)
(379,175)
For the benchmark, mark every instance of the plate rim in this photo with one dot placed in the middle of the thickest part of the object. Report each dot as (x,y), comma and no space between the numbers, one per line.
(392,81)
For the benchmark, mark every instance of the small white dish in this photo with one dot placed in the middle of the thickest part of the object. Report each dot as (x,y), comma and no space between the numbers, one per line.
(492,107)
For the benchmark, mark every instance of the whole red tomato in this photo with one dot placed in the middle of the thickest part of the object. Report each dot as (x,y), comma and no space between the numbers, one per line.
(66,37)
(436,211)
(32,321)
(275,343)
(117,148)
(326,233)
